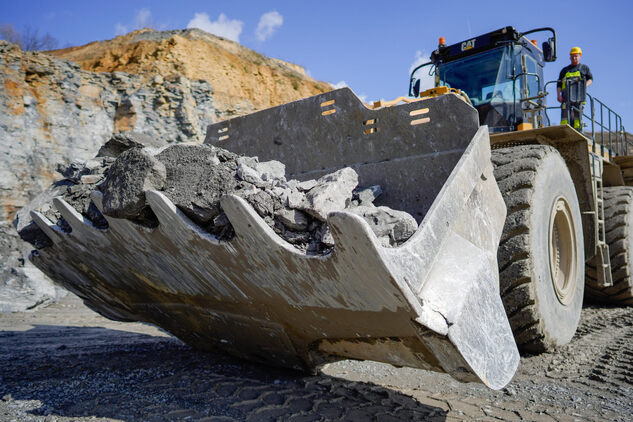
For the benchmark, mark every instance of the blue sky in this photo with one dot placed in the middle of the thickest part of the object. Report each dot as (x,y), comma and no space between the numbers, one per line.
(368,45)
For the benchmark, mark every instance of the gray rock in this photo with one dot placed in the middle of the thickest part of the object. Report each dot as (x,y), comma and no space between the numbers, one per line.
(296,199)
(292,184)
(22,286)
(247,161)
(282,193)
(123,141)
(325,235)
(91,178)
(262,202)
(249,174)
(297,237)
(293,219)
(72,171)
(197,177)
(271,170)
(368,195)
(391,226)
(134,172)
(306,185)
(96,166)
(332,193)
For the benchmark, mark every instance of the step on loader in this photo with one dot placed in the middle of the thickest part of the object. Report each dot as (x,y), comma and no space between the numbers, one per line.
(431,303)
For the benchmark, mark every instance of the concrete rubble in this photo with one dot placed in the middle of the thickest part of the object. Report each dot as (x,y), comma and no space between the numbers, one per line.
(195,177)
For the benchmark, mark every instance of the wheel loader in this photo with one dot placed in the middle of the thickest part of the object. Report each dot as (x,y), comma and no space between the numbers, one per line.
(433,302)
(569,229)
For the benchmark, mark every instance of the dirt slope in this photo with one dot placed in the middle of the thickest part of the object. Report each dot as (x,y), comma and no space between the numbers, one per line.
(242,79)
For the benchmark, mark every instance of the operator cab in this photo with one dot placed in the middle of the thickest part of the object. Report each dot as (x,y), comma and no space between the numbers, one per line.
(501,72)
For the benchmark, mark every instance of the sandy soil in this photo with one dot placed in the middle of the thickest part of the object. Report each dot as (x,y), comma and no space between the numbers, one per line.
(66,363)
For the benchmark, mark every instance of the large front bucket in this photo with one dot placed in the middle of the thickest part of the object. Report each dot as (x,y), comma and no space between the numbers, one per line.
(431,303)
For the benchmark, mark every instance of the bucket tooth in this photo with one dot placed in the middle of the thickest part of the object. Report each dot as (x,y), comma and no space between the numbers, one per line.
(172,221)
(53,231)
(97,198)
(351,232)
(124,228)
(81,226)
(249,226)
(467,298)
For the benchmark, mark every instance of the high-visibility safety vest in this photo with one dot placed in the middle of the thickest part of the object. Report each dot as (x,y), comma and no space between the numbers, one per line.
(570,75)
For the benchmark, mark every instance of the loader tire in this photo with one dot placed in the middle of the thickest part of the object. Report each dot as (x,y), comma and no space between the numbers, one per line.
(618,215)
(541,252)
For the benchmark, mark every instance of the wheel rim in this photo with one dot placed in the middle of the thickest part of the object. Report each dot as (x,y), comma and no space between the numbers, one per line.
(562,251)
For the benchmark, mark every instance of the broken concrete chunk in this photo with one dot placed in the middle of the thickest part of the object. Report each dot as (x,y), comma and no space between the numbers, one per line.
(262,202)
(368,195)
(95,166)
(247,161)
(292,184)
(197,176)
(307,185)
(282,193)
(293,219)
(72,171)
(325,235)
(134,172)
(123,141)
(385,222)
(332,193)
(248,174)
(91,179)
(296,237)
(271,170)
(296,199)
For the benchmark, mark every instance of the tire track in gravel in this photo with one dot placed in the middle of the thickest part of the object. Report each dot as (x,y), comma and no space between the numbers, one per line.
(75,365)
(614,367)
(72,364)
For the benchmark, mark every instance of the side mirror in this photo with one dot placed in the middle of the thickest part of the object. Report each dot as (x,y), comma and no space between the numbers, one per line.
(416,88)
(549,50)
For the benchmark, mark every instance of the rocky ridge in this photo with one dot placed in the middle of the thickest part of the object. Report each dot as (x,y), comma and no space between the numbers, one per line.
(242,80)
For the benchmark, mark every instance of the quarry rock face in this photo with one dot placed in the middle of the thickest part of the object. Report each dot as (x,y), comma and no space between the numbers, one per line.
(148,88)
(54,112)
(243,81)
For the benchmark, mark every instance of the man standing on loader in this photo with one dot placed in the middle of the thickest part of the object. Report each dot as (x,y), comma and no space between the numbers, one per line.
(570,92)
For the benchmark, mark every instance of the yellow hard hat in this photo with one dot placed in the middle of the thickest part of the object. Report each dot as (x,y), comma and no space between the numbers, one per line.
(575,50)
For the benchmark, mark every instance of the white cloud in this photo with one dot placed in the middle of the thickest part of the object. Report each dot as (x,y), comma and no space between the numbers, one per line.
(426,81)
(343,84)
(144,19)
(267,25)
(223,27)
(420,58)
(120,29)
(339,85)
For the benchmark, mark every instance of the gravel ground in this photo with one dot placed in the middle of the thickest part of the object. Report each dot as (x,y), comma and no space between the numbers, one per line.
(66,363)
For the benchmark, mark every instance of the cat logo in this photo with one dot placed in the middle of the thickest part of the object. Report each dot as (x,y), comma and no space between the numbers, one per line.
(467,45)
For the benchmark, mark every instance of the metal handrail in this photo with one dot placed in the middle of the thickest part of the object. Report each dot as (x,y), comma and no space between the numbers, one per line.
(611,128)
